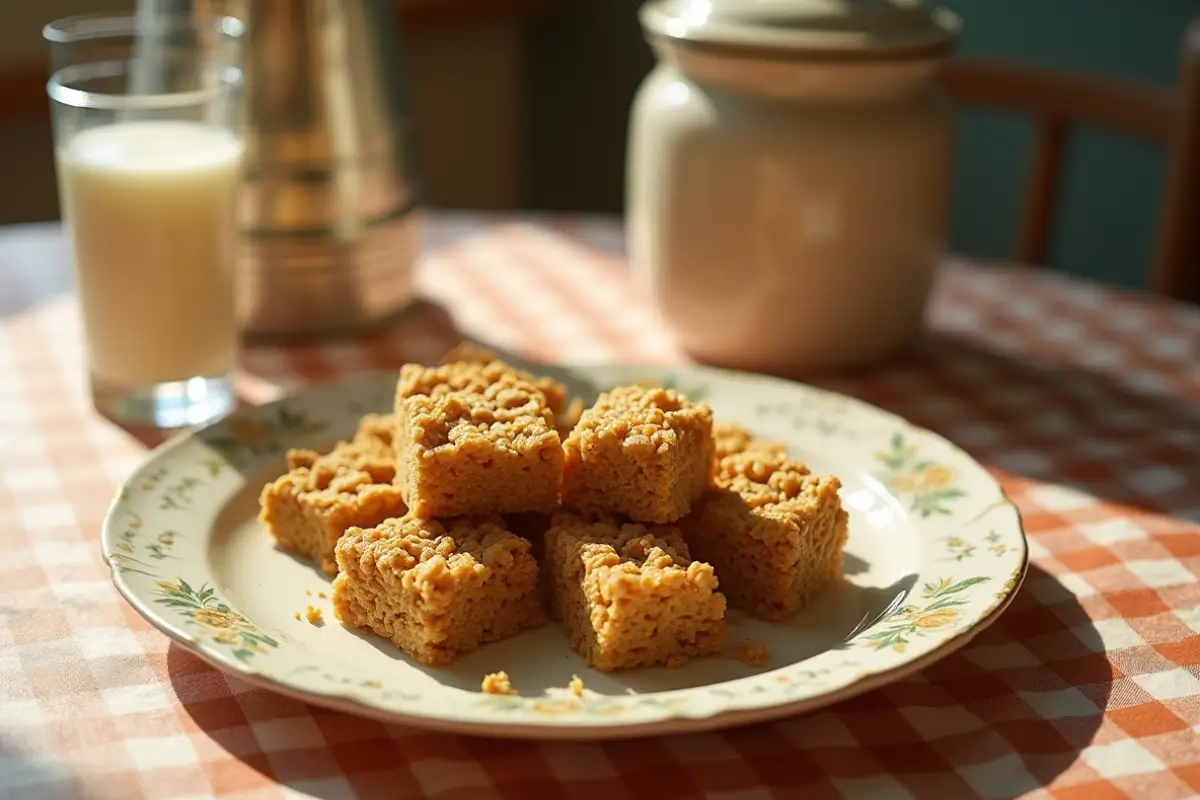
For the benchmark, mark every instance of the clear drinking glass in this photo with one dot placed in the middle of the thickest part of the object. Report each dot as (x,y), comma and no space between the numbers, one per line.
(148,144)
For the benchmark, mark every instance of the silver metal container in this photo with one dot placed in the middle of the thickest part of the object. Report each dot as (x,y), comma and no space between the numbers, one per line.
(331,230)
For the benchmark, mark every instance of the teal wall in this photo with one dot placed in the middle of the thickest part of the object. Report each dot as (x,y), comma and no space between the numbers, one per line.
(1105,220)
(585,62)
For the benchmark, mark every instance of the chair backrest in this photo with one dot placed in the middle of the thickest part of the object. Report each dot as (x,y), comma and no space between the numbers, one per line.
(1060,100)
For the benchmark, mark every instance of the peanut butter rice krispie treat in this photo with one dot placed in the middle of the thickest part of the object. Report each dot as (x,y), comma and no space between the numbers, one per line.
(643,452)
(566,412)
(730,439)
(773,531)
(493,450)
(309,508)
(370,449)
(629,595)
(469,366)
(376,428)
(437,589)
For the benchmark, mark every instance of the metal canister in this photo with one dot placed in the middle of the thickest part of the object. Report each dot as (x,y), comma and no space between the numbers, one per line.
(329,210)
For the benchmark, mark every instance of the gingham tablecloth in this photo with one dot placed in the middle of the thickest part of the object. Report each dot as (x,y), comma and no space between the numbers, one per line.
(1084,401)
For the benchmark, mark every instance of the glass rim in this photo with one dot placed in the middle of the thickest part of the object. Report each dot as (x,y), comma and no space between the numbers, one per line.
(84,27)
(229,79)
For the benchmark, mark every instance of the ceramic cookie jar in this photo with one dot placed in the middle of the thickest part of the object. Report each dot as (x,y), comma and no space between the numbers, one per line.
(789,176)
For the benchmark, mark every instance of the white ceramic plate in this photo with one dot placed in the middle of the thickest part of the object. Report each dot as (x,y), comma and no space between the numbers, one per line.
(935,553)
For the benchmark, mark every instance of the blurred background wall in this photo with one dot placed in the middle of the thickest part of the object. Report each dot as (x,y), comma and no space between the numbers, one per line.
(524,103)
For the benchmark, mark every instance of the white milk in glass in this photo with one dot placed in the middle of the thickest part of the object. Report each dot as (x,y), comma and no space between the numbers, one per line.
(150,206)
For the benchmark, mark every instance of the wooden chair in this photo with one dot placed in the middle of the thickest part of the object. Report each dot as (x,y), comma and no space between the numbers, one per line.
(1060,100)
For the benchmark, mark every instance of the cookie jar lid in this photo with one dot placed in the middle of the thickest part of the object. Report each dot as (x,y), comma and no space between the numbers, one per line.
(805,26)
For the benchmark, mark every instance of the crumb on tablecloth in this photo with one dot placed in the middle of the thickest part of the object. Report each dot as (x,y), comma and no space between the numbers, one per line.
(751,653)
(497,683)
(576,686)
(313,615)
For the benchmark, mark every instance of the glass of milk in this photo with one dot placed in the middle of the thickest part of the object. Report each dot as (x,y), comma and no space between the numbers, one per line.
(146,111)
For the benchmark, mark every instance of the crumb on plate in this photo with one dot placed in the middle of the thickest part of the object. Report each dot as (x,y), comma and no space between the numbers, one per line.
(296,614)
(313,615)
(497,683)
(576,686)
(307,593)
(751,653)
(321,594)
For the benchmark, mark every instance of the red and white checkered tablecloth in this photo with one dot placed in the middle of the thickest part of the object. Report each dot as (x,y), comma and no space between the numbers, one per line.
(1084,401)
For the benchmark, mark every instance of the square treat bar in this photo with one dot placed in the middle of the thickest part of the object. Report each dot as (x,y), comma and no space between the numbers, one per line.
(566,413)
(493,450)
(369,450)
(476,368)
(469,365)
(643,452)
(436,589)
(630,595)
(730,439)
(773,532)
(566,410)
(308,509)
